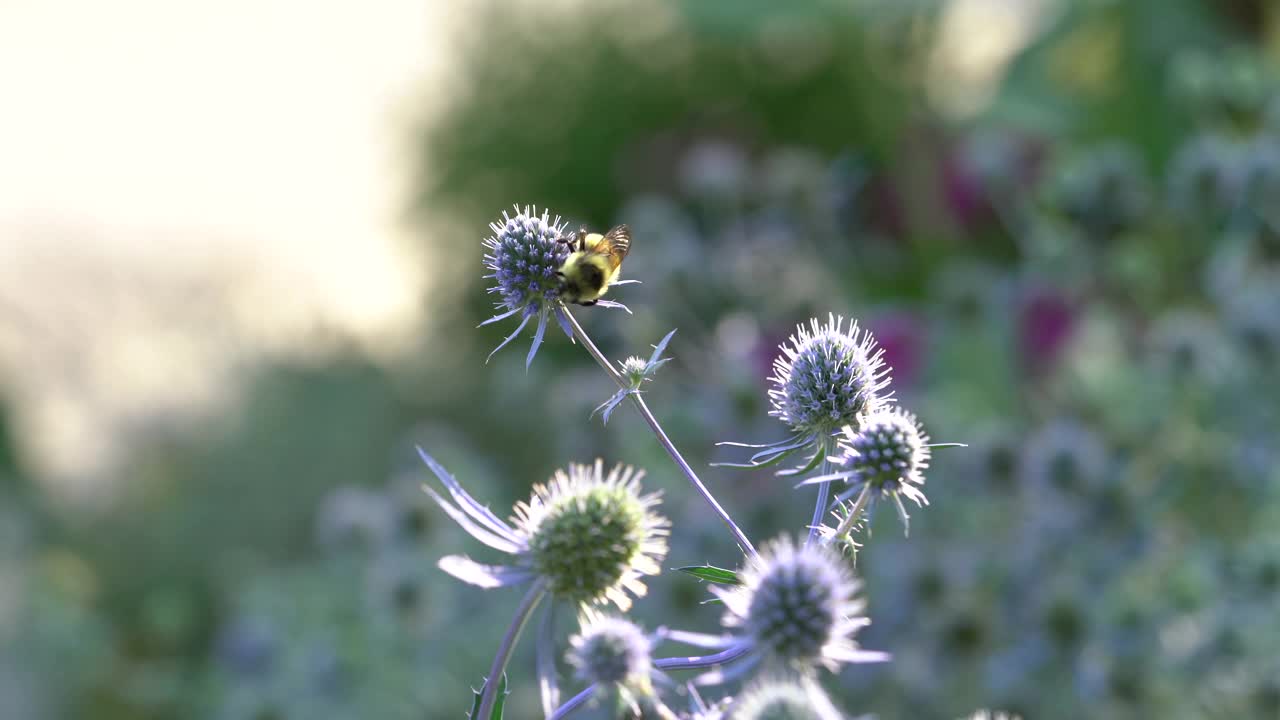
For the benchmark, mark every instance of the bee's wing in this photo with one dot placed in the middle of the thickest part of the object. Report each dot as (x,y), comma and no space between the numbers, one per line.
(618,242)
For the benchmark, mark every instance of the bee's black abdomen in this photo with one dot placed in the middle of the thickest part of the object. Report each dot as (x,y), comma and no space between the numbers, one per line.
(592,277)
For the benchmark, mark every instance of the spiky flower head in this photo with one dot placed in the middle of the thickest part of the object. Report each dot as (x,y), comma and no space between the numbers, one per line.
(1103,190)
(888,453)
(1203,179)
(587,536)
(611,651)
(795,608)
(635,371)
(1260,184)
(827,376)
(1066,458)
(783,700)
(524,256)
(592,536)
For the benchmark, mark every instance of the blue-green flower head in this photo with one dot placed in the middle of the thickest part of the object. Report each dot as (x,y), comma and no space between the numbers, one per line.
(1204,178)
(524,258)
(797,609)
(889,453)
(611,651)
(1102,191)
(1260,184)
(587,535)
(827,376)
(1065,458)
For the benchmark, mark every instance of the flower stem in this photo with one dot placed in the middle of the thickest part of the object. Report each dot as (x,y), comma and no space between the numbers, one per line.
(489,694)
(573,703)
(684,663)
(819,509)
(663,440)
(824,496)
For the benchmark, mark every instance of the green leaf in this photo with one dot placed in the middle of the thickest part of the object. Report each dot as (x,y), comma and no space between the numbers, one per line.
(498,704)
(710,573)
(500,701)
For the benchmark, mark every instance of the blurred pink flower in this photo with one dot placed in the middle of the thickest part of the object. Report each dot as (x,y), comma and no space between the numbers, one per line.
(1045,323)
(902,337)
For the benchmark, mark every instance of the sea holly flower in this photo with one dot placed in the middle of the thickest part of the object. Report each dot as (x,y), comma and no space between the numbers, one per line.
(635,371)
(827,376)
(1103,191)
(883,458)
(526,252)
(587,536)
(615,655)
(794,609)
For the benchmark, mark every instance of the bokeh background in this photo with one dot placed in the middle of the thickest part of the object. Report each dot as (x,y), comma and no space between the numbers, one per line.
(240,277)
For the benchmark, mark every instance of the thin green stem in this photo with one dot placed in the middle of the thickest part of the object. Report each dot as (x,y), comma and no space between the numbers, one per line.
(663,440)
(490,692)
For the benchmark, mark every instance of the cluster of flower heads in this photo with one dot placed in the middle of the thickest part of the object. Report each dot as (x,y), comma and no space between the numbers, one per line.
(587,538)
(830,387)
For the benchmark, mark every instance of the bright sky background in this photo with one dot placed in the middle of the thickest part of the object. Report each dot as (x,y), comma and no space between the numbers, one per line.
(181,182)
(185,184)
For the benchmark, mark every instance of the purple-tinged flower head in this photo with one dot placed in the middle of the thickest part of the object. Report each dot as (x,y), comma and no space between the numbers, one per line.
(524,258)
(611,651)
(1064,468)
(1183,344)
(588,536)
(354,518)
(796,609)
(1251,319)
(1066,459)
(827,376)
(1271,122)
(248,646)
(885,457)
(397,587)
(525,254)
(1260,181)
(1204,178)
(797,699)
(714,170)
(411,510)
(1103,191)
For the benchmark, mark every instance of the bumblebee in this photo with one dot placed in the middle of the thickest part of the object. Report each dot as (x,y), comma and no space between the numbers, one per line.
(593,264)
